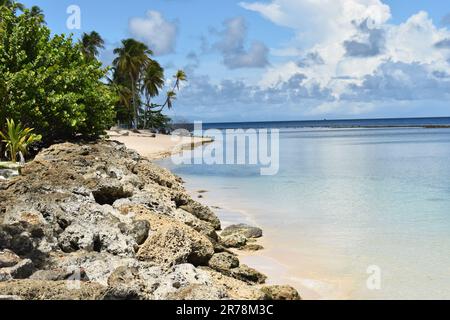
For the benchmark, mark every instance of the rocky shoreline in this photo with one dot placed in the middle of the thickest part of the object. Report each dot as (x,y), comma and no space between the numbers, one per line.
(98,221)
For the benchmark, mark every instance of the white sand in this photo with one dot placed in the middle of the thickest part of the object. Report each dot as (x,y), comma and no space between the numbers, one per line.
(157,147)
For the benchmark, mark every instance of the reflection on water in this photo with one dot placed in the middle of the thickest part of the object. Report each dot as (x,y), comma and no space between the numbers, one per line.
(346,199)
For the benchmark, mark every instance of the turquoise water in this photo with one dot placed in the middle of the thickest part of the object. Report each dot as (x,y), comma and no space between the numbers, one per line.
(347,199)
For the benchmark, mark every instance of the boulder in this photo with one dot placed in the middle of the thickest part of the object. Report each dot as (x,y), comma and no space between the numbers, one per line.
(176,243)
(77,237)
(125,284)
(251,247)
(178,278)
(140,231)
(8,259)
(195,223)
(97,267)
(248,275)
(21,270)
(236,289)
(199,292)
(60,275)
(244,230)
(280,293)
(203,213)
(51,290)
(97,237)
(223,261)
(17,238)
(233,241)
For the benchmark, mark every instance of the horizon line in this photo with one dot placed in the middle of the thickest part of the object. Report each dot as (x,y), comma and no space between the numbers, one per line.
(316,120)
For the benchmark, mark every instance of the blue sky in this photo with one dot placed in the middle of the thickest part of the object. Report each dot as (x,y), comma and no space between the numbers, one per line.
(285,59)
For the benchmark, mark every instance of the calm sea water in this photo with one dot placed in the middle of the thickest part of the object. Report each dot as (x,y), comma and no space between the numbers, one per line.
(347,199)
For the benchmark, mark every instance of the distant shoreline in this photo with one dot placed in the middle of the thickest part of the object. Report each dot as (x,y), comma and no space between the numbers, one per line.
(426,123)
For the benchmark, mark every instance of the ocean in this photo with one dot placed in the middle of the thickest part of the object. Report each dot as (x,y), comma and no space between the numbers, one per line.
(358,210)
(342,123)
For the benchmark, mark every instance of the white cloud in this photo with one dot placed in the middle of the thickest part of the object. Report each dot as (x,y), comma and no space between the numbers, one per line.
(316,21)
(353,39)
(231,44)
(280,73)
(346,59)
(159,34)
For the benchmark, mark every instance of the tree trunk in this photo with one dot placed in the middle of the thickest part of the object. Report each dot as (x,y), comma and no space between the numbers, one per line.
(135,125)
(145,116)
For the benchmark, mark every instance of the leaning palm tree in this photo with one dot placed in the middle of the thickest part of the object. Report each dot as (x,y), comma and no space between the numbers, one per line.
(171,95)
(91,44)
(179,77)
(132,58)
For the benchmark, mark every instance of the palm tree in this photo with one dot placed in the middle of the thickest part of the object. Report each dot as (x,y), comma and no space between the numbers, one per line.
(153,79)
(153,82)
(132,58)
(124,98)
(38,14)
(171,95)
(179,77)
(91,43)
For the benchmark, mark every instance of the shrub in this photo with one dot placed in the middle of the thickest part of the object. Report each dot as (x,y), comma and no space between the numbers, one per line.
(48,84)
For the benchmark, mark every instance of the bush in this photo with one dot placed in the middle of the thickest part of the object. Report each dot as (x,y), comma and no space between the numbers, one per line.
(47,84)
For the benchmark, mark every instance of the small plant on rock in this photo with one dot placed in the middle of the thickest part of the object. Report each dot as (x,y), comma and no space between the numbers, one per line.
(18,139)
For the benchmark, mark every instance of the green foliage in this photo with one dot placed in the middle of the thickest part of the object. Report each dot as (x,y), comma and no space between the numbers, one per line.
(18,139)
(137,79)
(155,120)
(91,43)
(153,80)
(11,4)
(47,83)
(132,59)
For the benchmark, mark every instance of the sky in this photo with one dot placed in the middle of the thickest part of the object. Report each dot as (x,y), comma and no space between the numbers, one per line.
(263,60)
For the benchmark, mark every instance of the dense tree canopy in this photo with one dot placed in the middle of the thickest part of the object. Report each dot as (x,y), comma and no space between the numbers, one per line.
(47,83)
(138,79)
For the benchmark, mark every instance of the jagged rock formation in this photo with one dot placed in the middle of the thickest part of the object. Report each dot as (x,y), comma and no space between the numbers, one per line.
(103,220)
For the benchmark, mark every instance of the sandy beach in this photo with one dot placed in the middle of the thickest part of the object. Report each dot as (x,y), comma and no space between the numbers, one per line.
(155,146)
